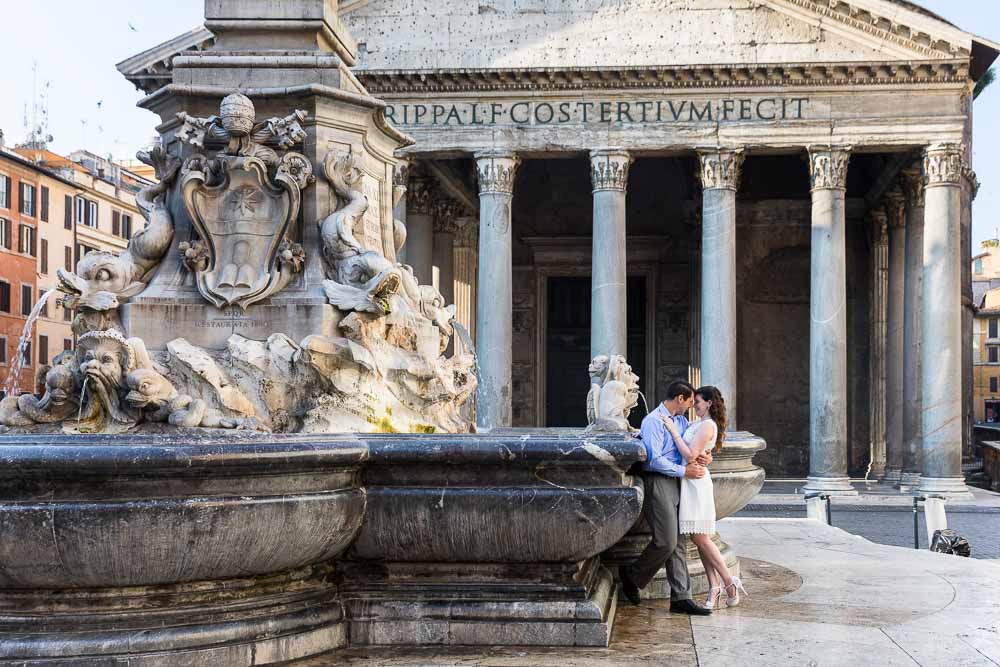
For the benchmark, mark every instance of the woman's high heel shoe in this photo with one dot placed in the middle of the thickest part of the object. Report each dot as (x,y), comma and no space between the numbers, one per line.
(737,586)
(712,601)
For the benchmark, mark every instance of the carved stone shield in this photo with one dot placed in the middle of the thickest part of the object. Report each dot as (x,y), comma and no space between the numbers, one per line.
(242,219)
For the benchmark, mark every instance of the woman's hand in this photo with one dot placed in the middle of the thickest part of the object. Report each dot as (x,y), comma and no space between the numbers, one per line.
(671,426)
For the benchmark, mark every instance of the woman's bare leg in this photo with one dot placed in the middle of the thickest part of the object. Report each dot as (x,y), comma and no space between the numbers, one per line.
(711,556)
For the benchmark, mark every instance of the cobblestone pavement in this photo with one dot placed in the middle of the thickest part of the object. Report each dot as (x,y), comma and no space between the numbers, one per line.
(894,525)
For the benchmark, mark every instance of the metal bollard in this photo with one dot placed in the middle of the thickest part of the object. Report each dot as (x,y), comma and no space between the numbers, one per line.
(934,517)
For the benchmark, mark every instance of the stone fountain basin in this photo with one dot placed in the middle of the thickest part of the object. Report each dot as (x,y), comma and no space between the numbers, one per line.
(149,509)
(507,498)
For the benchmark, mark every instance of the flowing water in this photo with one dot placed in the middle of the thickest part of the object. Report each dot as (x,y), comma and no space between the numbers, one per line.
(644,403)
(83,397)
(17,363)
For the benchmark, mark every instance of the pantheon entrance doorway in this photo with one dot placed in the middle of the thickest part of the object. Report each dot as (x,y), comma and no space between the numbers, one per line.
(567,346)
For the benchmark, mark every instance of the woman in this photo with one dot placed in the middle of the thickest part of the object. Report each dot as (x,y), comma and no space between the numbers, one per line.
(697,507)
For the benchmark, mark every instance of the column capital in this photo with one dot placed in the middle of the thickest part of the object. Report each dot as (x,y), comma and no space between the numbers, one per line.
(496,171)
(828,167)
(400,176)
(879,220)
(720,168)
(944,164)
(446,211)
(912,181)
(420,194)
(609,169)
(895,208)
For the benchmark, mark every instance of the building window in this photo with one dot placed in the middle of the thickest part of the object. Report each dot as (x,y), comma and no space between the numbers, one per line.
(3,350)
(126,226)
(82,249)
(26,299)
(4,296)
(26,240)
(977,266)
(92,214)
(67,258)
(44,213)
(4,191)
(44,257)
(67,314)
(5,233)
(993,385)
(43,350)
(80,210)
(993,327)
(67,212)
(993,353)
(27,200)
(67,344)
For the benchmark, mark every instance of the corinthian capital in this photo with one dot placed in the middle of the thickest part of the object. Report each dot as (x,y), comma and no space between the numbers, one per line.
(496,172)
(912,181)
(895,208)
(878,219)
(420,195)
(944,164)
(721,168)
(609,169)
(828,167)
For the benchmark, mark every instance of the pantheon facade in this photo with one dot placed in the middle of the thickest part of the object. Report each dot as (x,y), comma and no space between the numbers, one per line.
(771,196)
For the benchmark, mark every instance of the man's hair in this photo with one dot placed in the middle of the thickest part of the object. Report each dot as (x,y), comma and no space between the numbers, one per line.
(679,388)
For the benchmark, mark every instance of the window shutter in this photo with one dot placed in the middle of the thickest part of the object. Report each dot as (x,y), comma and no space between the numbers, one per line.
(67,258)
(8,236)
(68,212)
(32,242)
(20,238)
(116,223)
(45,204)
(5,297)
(45,256)
(43,350)
(86,212)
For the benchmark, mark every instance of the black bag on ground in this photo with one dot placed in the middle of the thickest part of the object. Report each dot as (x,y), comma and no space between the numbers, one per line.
(947,541)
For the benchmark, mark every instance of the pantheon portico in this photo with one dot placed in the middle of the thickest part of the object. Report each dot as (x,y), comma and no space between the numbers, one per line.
(773,197)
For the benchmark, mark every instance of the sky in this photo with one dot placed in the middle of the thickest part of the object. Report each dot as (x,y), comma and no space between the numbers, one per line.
(66,51)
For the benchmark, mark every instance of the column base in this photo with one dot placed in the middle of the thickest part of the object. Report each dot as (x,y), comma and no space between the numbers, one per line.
(952,488)
(892,475)
(834,486)
(908,481)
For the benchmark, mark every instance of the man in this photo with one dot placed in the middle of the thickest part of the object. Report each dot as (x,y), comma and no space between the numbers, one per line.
(662,471)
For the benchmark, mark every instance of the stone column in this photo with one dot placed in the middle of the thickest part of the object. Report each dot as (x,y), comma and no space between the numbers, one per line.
(420,206)
(720,177)
(400,177)
(494,308)
(879,307)
(609,178)
(913,188)
(466,243)
(443,255)
(828,323)
(942,323)
(896,210)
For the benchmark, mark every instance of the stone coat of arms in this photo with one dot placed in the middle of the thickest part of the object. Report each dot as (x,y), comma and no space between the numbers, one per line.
(243,203)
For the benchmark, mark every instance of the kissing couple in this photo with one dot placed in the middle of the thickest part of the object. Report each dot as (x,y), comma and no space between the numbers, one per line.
(679,499)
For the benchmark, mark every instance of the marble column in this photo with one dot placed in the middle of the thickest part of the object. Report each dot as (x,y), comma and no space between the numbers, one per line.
(720,177)
(494,308)
(466,244)
(420,205)
(443,254)
(895,207)
(828,323)
(609,177)
(913,188)
(400,177)
(879,306)
(941,472)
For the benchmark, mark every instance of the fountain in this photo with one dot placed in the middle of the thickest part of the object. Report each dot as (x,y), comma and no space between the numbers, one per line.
(259,449)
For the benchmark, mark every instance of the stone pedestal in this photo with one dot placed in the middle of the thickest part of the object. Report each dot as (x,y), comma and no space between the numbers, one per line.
(942,324)
(609,178)
(720,177)
(828,324)
(494,302)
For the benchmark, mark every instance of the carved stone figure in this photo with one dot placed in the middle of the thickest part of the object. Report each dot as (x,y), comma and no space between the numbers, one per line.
(614,391)
(243,203)
(102,281)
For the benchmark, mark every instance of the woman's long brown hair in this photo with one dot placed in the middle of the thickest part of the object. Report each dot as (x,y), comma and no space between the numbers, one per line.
(717,412)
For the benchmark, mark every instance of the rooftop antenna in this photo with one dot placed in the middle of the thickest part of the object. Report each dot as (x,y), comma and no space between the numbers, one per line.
(36,124)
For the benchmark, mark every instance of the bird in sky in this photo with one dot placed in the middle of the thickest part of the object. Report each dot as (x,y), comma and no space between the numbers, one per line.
(132,27)
(99,103)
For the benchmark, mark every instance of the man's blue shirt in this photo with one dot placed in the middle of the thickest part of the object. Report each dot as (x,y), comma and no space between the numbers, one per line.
(662,455)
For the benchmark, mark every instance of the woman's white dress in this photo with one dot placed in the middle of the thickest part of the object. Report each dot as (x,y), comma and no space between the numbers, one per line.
(697,509)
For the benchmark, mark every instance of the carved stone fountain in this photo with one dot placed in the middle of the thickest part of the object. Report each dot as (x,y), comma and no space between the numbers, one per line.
(258,450)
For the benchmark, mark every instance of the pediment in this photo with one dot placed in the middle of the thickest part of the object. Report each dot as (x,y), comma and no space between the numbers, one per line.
(556,34)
